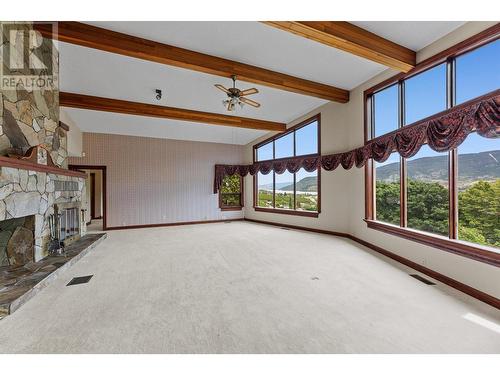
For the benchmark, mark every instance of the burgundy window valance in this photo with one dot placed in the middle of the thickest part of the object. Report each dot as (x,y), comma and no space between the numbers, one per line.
(442,132)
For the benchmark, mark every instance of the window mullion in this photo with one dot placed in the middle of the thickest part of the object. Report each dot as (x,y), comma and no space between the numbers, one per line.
(452,154)
(295,191)
(371,164)
(402,161)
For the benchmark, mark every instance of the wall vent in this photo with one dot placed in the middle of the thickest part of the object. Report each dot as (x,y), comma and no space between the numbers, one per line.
(422,279)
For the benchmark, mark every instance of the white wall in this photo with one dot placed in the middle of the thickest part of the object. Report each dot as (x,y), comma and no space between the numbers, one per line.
(335,194)
(74,135)
(159,181)
(342,192)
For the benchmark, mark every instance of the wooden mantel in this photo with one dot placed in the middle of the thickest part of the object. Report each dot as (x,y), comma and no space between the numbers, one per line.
(6,161)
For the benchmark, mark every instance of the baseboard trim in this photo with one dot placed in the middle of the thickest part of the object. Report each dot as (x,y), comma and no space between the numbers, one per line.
(464,288)
(140,226)
(323,231)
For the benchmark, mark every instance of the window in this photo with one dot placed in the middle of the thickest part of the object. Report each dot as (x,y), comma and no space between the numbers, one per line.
(478,72)
(425,94)
(385,108)
(290,193)
(283,146)
(265,188)
(306,139)
(283,192)
(479,191)
(387,179)
(265,152)
(231,193)
(427,191)
(306,191)
(438,198)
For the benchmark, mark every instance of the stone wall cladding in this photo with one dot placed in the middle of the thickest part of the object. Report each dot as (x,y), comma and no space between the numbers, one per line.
(24,193)
(31,117)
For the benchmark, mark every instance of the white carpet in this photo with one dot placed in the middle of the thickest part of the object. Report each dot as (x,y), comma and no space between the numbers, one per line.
(245,288)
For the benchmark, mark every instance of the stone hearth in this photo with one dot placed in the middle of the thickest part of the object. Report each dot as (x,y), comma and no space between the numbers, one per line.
(18,284)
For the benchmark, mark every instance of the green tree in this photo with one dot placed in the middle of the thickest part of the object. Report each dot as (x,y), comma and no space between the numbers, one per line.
(471,235)
(388,202)
(479,210)
(428,204)
(231,184)
(231,190)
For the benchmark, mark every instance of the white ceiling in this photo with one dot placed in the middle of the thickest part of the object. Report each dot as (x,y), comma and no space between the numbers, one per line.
(260,45)
(414,35)
(93,72)
(114,123)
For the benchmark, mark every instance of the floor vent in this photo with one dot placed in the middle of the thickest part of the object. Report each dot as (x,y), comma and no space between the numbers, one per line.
(80,280)
(228,222)
(284,228)
(423,279)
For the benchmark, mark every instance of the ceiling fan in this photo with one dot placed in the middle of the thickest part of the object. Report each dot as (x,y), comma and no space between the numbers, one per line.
(237,96)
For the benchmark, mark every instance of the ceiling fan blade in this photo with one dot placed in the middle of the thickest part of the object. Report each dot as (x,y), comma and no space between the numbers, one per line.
(222,88)
(251,91)
(250,102)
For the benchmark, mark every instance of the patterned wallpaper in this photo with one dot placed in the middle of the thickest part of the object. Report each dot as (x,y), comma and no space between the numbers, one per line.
(151,181)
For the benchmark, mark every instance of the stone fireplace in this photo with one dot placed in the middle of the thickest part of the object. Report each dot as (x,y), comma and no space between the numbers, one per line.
(68,227)
(46,205)
(17,241)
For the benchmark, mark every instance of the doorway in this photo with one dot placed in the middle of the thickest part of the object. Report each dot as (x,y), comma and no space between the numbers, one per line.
(94,201)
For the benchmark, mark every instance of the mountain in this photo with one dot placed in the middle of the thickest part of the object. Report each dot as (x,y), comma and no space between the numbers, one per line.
(279,185)
(482,165)
(306,184)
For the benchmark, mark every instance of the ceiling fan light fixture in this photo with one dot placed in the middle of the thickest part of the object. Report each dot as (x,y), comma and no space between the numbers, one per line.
(237,96)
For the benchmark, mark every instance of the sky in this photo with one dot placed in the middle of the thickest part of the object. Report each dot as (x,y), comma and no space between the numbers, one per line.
(477,73)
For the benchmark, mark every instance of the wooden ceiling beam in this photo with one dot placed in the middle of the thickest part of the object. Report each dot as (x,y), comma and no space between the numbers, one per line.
(95,103)
(352,39)
(111,41)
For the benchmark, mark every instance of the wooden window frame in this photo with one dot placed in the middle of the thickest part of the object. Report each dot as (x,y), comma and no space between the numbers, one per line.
(293,129)
(232,208)
(451,243)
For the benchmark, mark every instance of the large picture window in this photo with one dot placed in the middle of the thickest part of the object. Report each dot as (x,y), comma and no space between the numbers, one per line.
(290,193)
(453,195)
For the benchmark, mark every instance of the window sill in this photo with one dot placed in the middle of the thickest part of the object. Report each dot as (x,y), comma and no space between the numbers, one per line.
(287,212)
(235,208)
(477,252)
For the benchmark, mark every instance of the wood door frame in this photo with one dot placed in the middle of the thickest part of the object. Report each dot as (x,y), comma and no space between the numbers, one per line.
(92,196)
(103,168)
